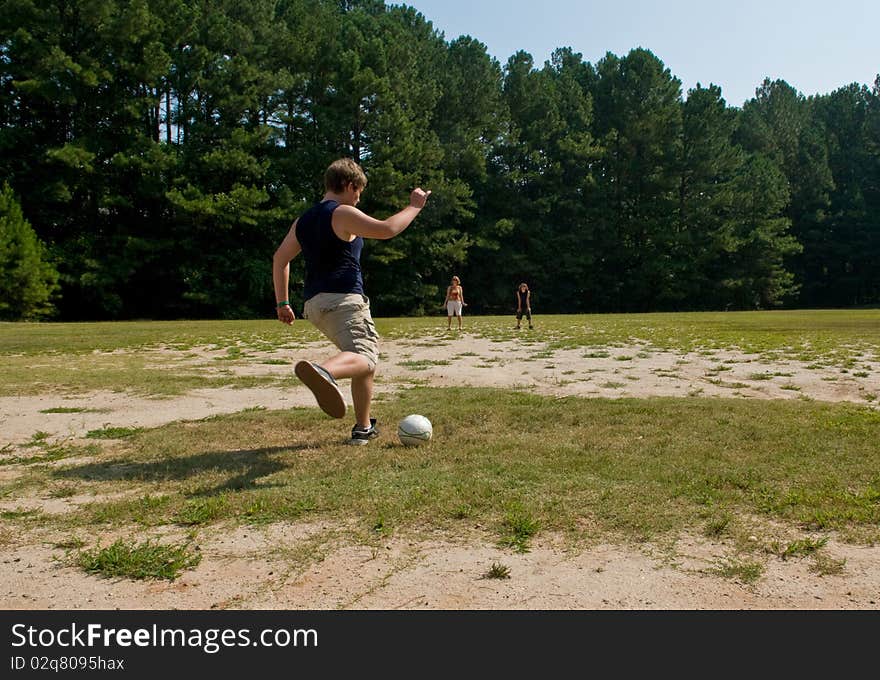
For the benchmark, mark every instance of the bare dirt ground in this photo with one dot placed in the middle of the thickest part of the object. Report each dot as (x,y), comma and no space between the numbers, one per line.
(250,568)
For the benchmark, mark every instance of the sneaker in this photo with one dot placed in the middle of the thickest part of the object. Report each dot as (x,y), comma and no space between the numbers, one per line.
(323,386)
(361,436)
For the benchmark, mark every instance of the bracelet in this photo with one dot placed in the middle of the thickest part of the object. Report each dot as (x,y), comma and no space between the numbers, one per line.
(283,303)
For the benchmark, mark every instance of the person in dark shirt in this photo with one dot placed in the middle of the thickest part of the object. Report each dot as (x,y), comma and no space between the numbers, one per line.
(523,304)
(330,235)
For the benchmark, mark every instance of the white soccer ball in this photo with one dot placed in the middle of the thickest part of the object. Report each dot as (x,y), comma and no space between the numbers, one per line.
(414,430)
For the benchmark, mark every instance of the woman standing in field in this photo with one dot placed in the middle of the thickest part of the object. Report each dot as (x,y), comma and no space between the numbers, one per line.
(454,302)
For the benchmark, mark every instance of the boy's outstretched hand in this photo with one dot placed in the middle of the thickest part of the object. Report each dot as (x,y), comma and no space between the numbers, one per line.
(418,198)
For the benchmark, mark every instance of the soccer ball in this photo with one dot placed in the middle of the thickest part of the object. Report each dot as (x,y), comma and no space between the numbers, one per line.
(414,430)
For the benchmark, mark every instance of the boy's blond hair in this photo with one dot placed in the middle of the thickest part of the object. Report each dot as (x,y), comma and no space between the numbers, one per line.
(343,172)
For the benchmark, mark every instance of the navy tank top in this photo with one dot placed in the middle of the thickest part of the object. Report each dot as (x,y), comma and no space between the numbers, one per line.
(332,265)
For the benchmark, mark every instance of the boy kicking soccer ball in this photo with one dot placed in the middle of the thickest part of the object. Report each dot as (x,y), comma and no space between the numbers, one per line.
(330,236)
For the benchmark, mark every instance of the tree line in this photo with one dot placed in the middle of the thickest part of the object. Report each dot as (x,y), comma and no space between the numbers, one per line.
(155,153)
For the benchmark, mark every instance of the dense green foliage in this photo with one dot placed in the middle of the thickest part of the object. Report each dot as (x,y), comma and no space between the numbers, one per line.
(161,148)
(27,280)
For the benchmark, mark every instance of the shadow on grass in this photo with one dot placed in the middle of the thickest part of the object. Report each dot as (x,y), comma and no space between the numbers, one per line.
(245,466)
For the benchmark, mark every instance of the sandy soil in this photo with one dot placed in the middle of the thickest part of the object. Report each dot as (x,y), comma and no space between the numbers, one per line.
(251,568)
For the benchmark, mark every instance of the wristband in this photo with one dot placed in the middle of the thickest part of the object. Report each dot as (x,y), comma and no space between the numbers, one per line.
(283,303)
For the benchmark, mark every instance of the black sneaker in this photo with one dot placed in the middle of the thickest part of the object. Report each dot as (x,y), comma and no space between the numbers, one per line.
(361,436)
(323,386)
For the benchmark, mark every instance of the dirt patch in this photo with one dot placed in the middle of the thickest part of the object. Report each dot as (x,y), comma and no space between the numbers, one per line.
(313,566)
(633,371)
(245,569)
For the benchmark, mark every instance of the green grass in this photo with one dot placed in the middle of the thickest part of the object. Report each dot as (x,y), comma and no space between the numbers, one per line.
(497,571)
(802,547)
(423,364)
(595,469)
(73,374)
(745,571)
(81,357)
(88,338)
(148,560)
(518,527)
(50,452)
(113,433)
(630,468)
(69,409)
(19,513)
(716,526)
(827,566)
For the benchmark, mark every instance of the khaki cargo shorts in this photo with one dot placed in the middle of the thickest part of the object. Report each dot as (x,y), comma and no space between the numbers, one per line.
(345,319)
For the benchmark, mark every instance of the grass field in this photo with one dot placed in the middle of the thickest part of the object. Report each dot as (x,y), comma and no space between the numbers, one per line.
(516,464)
(40,358)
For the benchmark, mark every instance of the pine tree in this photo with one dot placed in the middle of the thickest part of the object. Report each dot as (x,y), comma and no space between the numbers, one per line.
(27,280)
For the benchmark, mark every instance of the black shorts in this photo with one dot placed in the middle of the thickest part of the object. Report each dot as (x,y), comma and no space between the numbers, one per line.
(524,313)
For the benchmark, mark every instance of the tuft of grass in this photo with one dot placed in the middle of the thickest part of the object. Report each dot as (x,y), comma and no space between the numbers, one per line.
(20,513)
(423,364)
(68,409)
(381,526)
(462,511)
(803,547)
(113,432)
(518,529)
(716,526)
(497,571)
(730,385)
(142,561)
(72,543)
(827,566)
(39,438)
(202,510)
(63,491)
(149,510)
(232,354)
(744,571)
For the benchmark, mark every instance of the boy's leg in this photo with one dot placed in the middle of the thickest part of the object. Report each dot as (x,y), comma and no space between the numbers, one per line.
(358,368)
(348,365)
(362,397)
(346,320)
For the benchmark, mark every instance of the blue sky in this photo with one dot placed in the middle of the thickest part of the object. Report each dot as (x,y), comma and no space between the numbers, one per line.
(815,46)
